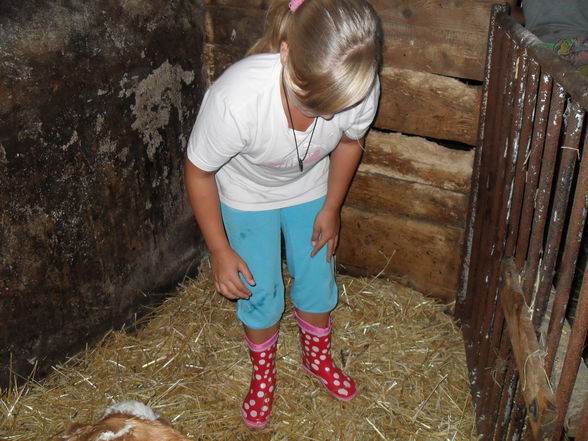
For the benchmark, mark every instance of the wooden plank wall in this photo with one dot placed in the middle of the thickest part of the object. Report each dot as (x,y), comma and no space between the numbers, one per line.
(405,213)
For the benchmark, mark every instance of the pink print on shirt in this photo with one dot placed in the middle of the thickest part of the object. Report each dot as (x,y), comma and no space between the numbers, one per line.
(315,153)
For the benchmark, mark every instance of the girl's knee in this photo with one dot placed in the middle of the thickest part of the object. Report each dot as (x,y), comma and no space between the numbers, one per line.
(264,308)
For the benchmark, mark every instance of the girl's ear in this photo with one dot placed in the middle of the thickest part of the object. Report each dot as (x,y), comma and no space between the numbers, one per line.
(283,52)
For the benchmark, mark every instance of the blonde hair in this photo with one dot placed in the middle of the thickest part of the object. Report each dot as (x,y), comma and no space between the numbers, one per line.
(334,50)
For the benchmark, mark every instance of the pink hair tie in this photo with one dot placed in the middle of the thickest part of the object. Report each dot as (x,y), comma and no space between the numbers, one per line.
(295,4)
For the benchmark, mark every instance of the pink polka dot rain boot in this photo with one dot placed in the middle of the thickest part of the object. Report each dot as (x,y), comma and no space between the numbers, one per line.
(257,405)
(316,360)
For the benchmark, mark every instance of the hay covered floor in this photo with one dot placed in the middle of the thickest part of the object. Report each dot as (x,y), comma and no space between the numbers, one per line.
(188,361)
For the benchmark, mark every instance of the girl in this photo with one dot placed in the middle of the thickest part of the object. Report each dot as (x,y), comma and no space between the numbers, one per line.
(273,151)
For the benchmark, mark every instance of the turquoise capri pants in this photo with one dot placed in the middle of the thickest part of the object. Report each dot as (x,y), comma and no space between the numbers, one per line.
(256,237)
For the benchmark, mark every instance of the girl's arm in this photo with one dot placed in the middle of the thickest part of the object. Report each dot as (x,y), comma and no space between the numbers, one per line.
(226,263)
(344,161)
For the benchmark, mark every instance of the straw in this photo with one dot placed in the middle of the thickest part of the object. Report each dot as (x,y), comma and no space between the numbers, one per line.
(188,362)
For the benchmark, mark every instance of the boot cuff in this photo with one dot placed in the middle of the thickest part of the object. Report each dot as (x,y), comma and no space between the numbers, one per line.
(314,330)
(262,346)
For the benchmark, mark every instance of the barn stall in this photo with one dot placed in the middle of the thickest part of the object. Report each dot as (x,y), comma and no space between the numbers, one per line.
(405,221)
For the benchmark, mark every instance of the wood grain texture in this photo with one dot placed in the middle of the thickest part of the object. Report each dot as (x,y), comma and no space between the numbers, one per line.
(454,15)
(409,199)
(421,255)
(438,51)
(447,37)
(429,105)
(414,101)
(419,160)
(384,194)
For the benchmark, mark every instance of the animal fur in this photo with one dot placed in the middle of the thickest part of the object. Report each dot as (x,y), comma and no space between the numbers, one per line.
(128,421)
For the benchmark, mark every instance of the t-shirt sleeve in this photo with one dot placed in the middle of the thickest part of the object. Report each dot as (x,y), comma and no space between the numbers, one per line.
(217,134)
(364,113)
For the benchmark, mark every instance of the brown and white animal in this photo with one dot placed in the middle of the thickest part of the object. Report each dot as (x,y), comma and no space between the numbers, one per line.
(126,421)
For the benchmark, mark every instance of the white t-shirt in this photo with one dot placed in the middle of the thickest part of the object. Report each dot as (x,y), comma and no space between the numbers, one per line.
(242,133)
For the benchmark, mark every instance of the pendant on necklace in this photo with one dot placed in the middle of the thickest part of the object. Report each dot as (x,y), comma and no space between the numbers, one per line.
(300,160)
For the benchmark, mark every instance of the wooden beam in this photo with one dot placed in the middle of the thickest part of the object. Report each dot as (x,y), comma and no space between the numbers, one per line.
(529,358)
(445,37)
(429,105)
(416,159)
(421,255)
(438,51)
(382,194)
(452,15)
(408,201)
(412,102)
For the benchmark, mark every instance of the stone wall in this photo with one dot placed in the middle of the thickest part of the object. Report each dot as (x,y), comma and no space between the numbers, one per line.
(97,99)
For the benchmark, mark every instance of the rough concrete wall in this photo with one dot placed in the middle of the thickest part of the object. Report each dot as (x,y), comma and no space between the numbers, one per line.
(97,99)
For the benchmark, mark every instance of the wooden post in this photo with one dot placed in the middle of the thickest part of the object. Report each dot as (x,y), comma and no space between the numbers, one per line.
(529,356)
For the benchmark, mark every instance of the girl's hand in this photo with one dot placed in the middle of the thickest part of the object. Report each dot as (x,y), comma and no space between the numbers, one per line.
(226,263)
(326,231)
(226,266)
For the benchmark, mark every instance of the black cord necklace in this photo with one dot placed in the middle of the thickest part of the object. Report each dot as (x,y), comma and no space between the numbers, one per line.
(300,161)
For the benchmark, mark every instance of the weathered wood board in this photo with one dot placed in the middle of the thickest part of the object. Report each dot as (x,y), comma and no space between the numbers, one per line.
(421,255)
(231,27)
(438,51)
(417,159)
(452,15)
(429,105)
(446,37)
(410,199)
(573,420)
(407,203)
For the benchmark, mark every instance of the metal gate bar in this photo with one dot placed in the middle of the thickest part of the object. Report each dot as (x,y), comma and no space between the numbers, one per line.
(573,242)
(523,238)
(492,386)
(535,154)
